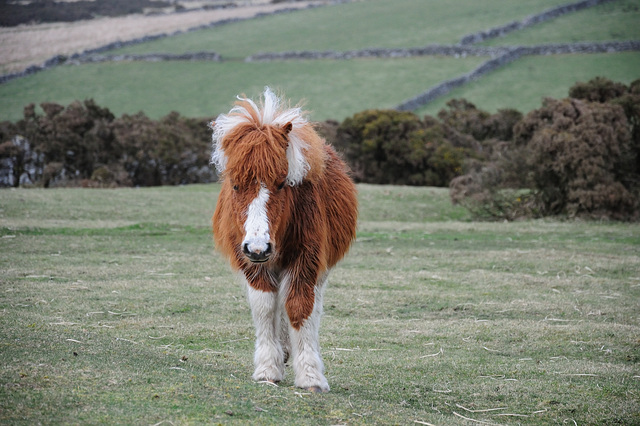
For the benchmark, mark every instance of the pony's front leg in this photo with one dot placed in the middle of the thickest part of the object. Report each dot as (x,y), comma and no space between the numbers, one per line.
(304,336)
(269,356)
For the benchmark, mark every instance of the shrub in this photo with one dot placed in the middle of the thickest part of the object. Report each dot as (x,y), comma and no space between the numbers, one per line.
(175,150)
(483,193)
(599,89)
(76,137)
(463,116)
(581,158)
(492,136)
(84,144)
(576,157)
(394,147)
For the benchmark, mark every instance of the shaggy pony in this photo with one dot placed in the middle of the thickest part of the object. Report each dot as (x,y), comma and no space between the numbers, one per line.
(286,214)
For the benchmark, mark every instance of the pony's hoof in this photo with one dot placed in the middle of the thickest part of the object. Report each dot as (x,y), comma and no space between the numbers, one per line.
(271,375)
(317,389)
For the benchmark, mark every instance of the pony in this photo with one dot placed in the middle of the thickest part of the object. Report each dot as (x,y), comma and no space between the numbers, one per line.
(286,214)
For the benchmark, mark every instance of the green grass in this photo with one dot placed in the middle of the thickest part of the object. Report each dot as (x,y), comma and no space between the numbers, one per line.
(523,84)
(337,89)
(609,21)
(334,89)
(115,309)
(357,25)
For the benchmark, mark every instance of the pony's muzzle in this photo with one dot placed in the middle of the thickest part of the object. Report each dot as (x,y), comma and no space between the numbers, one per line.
(257,253)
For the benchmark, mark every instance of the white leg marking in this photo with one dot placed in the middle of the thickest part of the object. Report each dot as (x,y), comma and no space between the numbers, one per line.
(305,347)
(256,227)
(269,357)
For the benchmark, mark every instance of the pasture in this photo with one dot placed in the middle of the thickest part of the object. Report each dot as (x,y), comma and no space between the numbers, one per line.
(353,25)
(609,21)
(539,77)
(337,89)
(115,309)
(205,89)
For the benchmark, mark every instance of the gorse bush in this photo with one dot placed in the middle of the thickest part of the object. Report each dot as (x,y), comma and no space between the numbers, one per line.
(84,144)
(580,158)
(394,147)
(463,116)
(174,150)
(577,157)
(599,89)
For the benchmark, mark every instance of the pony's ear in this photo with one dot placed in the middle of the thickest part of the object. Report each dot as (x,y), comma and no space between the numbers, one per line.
(287,128)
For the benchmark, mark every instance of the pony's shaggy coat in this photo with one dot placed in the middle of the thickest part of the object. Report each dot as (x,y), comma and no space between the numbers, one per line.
(286,214)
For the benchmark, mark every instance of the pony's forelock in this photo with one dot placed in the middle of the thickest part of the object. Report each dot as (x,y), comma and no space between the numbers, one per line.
(271,111)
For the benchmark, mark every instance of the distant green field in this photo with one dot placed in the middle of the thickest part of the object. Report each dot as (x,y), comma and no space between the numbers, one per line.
(334,89)
(337,89)
(525,83)
(619,20)
(356,25)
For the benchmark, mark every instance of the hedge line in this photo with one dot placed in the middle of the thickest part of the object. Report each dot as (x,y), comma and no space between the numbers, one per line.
(84,144)
(578,156)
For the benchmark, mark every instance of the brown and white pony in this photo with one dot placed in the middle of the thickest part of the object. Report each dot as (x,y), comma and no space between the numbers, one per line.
(286,214)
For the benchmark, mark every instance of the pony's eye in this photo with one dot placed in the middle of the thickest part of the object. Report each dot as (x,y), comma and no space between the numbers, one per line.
(281,185)
(235,187)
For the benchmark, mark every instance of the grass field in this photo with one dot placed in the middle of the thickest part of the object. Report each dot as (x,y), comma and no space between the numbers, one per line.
(115,309)
(526,82)
(26,45)
(609,21)
(337,89)
(206,89)
(356,25)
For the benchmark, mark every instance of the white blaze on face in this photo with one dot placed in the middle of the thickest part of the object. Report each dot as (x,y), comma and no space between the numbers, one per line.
(256,227)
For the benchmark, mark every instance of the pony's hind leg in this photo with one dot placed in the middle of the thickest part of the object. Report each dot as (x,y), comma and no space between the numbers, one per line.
(269,356)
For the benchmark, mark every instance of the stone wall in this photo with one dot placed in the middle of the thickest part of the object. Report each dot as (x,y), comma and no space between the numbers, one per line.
(435,49)
(445,87)
(499,56)
(529,21)
(449,50)
(511,55)
(150,57)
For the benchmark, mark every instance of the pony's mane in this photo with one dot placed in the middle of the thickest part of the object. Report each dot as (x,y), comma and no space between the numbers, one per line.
(304,153)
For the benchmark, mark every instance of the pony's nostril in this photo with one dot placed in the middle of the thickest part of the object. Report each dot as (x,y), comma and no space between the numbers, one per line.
(257,255)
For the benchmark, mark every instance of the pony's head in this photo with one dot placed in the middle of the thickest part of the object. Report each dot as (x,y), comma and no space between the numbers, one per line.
(262,151)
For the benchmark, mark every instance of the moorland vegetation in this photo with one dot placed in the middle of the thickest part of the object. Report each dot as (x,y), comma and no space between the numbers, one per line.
(84,144)
(41,11)
(579,156)
(576,156)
